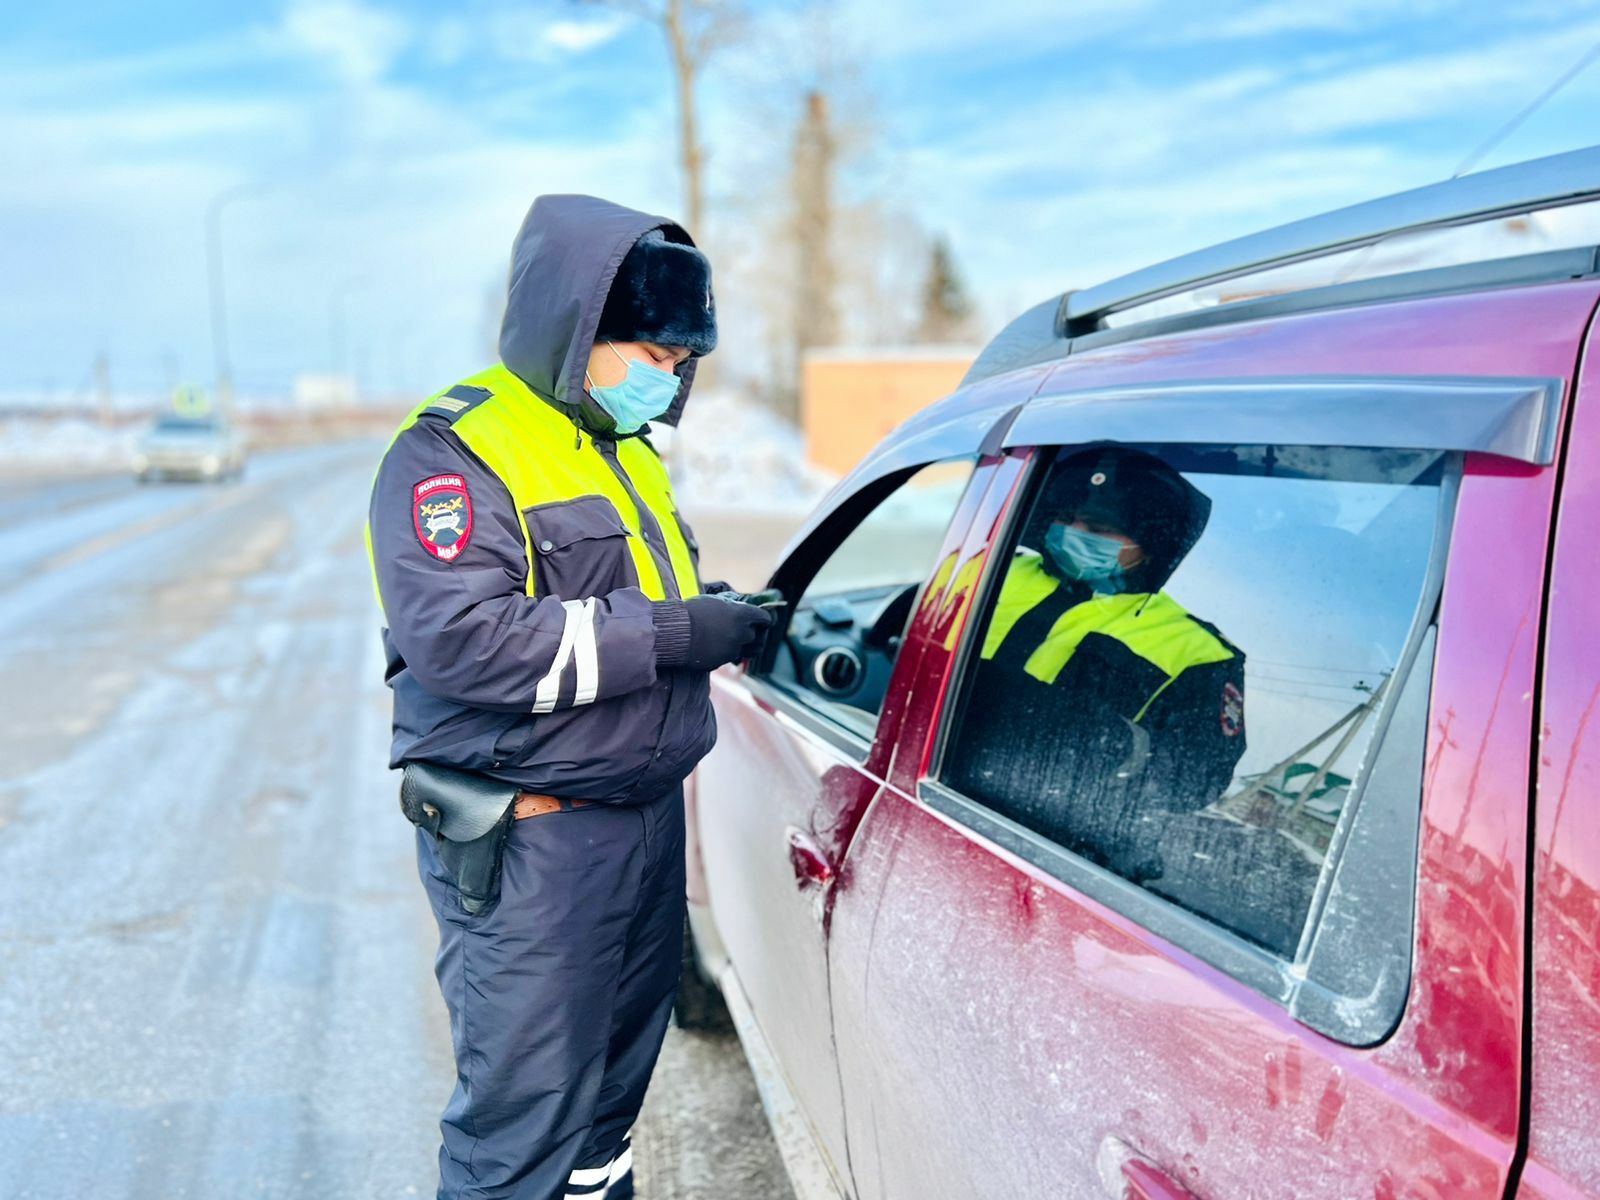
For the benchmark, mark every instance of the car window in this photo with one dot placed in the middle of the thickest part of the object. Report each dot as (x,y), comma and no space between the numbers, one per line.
(1179,672)
(847,622)
(183,425)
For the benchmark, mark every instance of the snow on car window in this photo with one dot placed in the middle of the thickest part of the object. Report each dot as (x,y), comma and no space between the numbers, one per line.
(1183,667)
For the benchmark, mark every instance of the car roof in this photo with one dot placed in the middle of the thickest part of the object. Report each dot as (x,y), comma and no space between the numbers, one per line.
(1078,320)
(1518,320)
(1065,338)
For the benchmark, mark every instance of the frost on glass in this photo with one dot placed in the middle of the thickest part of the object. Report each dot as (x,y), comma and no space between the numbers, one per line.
(1309,569)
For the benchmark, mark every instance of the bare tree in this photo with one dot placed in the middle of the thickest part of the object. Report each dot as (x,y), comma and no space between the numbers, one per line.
(694,30)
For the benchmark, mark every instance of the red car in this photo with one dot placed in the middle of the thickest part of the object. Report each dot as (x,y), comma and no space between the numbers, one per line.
(1322,917)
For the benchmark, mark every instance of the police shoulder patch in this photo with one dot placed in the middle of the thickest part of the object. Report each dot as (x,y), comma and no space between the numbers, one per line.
(1232,710)
(441,513)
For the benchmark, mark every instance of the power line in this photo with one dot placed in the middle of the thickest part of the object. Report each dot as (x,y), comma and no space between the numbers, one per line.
(1515,122)
(1312,666)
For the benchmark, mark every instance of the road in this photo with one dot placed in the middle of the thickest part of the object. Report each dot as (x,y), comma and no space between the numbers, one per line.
(215,959)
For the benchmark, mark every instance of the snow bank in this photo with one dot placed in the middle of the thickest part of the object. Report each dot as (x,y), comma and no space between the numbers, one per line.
(51,442)
(734,453)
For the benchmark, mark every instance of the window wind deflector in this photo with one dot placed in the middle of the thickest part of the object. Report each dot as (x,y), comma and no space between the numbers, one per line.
(1513,418)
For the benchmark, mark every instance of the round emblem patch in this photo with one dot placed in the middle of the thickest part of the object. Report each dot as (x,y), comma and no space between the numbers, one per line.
(441,511)
(1232,711)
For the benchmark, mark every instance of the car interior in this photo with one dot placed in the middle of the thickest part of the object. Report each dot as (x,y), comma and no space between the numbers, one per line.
(842,646)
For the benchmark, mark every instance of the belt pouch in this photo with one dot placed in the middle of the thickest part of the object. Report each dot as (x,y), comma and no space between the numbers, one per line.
(469,816)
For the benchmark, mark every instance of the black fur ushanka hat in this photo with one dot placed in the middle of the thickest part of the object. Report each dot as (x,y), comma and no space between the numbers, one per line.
(662,294)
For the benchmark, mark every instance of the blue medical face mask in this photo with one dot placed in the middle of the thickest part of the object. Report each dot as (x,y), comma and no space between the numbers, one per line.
(1091,558)
(643,395)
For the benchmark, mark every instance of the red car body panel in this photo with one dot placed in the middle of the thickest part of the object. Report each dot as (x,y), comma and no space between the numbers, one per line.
(956,1022)
(1564,1126)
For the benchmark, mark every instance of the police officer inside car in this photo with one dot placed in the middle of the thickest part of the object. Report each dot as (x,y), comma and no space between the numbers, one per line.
(548,645)
(1130,707)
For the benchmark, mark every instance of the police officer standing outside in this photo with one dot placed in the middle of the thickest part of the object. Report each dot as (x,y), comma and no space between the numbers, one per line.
(548,645)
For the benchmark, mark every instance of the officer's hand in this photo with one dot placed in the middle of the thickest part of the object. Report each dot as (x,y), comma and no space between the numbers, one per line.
(716,587)
(703,632)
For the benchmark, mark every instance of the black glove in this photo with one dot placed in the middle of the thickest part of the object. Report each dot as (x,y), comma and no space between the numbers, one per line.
(703,632)
(771,598)
(716,587)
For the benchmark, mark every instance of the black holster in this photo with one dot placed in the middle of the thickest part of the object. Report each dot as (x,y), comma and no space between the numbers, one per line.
(469,816)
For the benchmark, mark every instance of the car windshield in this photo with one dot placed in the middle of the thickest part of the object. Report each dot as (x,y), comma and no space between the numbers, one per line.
(185,425)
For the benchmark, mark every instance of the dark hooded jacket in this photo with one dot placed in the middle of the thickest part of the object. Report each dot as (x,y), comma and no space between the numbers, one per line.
(467,647)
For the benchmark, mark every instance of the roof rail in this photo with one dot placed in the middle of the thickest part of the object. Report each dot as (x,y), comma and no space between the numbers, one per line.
(1519,188)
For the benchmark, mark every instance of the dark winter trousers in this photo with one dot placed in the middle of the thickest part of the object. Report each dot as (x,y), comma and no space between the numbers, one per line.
(559,995)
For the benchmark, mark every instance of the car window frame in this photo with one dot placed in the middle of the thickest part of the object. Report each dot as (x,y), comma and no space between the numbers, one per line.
(1287,983)
(824,537)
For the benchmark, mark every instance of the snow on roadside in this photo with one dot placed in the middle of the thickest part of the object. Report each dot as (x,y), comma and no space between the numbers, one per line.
(733,453)
(51,442)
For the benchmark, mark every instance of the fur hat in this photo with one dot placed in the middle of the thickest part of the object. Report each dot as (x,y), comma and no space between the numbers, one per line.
(1132,491)
(662,294)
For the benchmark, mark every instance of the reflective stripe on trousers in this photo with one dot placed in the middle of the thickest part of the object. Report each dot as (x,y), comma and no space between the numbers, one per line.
(609,1181)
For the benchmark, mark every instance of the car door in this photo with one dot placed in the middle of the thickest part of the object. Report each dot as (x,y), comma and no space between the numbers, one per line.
(1564,1097)
(802,746)
(1313,988)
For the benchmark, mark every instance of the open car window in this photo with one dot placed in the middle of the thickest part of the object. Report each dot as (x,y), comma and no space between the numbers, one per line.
(845,628)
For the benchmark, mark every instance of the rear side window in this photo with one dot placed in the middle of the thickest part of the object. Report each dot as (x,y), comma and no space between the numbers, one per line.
(1185,662)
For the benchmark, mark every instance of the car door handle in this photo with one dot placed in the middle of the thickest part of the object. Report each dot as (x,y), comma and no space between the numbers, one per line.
(811,865)
(1141,1181)
(1128,1175)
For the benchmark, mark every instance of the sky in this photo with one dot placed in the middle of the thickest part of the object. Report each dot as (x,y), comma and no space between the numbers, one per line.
(377,157)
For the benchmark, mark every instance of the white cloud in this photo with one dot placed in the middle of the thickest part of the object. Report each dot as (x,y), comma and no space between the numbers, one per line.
(358,42)
(895,29)
(581,36)
(528,35)
(417,193)
(1086,183)
(1327,16)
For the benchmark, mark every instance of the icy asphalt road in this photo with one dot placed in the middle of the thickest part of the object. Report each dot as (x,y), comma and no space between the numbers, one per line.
(215,960)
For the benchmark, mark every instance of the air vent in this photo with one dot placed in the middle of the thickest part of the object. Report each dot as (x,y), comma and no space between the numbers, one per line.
(837,670)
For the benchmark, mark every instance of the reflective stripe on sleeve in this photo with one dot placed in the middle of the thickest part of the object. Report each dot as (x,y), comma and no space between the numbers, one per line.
(549,688)
(587,656)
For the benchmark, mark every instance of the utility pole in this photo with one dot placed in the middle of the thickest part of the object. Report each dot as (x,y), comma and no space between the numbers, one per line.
(222,368)
(102,386)
(336,325)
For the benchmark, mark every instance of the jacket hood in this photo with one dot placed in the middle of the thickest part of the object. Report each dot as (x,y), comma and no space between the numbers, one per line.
(563,263)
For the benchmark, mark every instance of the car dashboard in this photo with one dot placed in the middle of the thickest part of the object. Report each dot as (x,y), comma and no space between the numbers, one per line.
(840,648)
